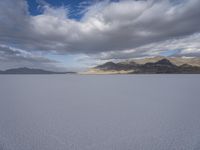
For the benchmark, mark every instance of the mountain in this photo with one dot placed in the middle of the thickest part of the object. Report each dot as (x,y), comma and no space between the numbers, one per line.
(117,66)
(30,71)
(194,61)
(161,66)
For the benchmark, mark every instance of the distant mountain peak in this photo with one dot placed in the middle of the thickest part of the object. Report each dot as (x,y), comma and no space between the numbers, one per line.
(107,65)
(25,70)
(164,61)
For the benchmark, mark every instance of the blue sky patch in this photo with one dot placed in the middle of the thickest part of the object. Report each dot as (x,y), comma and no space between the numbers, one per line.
(75,6)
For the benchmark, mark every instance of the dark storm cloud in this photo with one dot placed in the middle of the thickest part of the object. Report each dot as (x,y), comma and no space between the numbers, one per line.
(188,46)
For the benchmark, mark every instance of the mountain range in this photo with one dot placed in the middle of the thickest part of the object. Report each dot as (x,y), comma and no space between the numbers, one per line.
(30,71)
(154,65)
(157,65)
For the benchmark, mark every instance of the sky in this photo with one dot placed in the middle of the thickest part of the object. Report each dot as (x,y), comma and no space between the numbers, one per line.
(73,35)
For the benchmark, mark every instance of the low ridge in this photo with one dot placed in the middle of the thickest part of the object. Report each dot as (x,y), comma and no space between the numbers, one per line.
(25,70)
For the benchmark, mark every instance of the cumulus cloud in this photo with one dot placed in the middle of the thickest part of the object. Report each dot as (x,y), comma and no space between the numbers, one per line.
(111,29)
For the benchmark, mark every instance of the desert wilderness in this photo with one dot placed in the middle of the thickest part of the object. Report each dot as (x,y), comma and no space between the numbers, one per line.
(99,75)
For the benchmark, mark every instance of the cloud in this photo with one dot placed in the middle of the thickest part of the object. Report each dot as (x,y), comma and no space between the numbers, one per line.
(11,57)
(184,46)
(106,28)
(111,26)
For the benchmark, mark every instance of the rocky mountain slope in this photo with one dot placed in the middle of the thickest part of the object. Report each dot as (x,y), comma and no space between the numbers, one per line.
(153,66)
(194,61)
